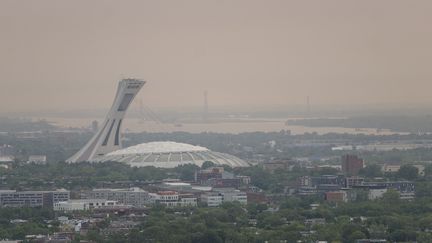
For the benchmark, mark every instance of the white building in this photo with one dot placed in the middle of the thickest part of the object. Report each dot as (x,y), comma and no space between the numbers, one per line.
(376,193)
(187,201)
(212,199)
(390,168)
(221,195)
(132,196)
(173,199)
(7,159)
(234,196)
(84,204)
(37,159)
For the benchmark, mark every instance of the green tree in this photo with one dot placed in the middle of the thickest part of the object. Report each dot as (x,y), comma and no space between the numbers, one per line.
(371,171)
(391,197)
(408,172)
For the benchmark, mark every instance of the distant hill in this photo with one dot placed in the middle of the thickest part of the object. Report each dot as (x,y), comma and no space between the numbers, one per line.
(412,124)
(23,125)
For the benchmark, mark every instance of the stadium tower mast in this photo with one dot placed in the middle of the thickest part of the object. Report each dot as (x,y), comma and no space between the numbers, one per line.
(108,137)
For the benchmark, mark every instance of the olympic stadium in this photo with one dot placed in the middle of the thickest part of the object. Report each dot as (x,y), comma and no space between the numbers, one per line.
(169,155)
(106,144)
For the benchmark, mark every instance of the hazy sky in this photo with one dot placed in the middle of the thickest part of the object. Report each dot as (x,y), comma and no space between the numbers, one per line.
(66,55)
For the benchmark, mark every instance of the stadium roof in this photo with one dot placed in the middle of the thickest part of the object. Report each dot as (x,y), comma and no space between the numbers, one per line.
(169,155)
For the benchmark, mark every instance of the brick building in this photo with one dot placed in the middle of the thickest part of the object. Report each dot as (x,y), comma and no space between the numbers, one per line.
(351,164)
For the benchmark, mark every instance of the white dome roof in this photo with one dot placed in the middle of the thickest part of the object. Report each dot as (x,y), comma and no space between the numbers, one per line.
(169,155)
(158,147)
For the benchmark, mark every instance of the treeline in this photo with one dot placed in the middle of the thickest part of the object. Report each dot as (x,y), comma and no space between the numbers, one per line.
(87,175)
(34,222)
(293,220)
(411,124)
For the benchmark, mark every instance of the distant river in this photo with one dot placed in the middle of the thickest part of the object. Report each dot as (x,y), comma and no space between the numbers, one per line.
(221,126)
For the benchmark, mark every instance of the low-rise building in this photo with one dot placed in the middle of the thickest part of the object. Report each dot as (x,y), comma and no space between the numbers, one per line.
(173,199)
(218,177)
(353,181)
(328,180)
(212,199)
(390,168)
(276,165)
(336,196)
(221,195)
(421,169)
(406,189)
(84,204)
(12,198)
(304,181)
(207,174)
(7,159)
(315,221)
(245,180)
(376,193)
(256,197)
(131,196)
(37,159)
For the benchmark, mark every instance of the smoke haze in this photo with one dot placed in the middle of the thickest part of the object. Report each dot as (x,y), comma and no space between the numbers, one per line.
(63,55)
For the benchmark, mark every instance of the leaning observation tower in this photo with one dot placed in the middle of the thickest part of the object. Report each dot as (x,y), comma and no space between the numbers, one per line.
(108,137)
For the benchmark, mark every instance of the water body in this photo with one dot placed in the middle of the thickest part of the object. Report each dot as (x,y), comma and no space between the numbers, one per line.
(222,126)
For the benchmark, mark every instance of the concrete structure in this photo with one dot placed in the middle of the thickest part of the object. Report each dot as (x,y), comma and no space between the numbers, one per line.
(106,144)
(84,204)
(108,138)
(351,164)
(133,196)
(11,198)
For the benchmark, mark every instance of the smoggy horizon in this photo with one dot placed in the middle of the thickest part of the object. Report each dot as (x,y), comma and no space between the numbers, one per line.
(61,56)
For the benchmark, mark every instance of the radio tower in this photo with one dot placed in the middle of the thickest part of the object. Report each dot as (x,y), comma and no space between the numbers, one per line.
(205,111)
